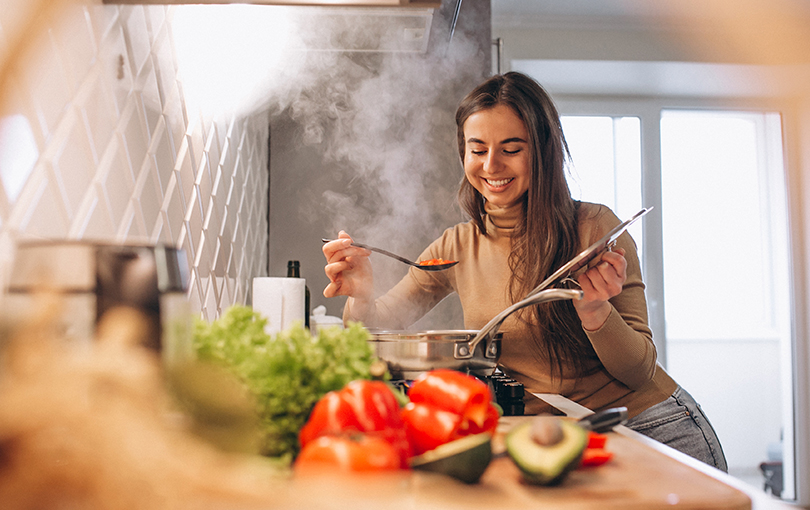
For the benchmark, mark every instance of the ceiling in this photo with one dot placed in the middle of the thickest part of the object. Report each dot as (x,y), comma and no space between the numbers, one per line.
(639,13)
(753,32)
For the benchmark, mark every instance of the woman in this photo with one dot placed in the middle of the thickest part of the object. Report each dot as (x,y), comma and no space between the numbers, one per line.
(597,351)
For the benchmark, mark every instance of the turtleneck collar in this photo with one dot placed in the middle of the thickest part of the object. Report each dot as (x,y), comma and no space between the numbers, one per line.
(504,219)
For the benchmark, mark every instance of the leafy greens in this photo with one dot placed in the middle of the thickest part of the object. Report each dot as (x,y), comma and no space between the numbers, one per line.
(288,372)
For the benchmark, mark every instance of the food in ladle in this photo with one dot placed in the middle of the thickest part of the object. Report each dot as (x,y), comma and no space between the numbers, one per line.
(435,262)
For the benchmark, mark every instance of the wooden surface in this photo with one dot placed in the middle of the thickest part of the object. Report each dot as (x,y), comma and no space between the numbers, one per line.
(638,477)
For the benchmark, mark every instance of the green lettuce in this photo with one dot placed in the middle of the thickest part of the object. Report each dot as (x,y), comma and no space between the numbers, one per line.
(288,372)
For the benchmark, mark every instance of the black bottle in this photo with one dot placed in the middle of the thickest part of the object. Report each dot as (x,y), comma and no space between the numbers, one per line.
(294,271)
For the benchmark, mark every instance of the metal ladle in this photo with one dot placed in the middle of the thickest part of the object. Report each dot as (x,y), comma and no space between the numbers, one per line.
(423,267)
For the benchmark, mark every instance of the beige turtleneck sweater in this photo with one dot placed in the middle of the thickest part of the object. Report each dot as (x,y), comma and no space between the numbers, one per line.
(623,369)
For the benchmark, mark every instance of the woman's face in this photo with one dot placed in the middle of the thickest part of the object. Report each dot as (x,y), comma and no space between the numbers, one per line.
(496,155)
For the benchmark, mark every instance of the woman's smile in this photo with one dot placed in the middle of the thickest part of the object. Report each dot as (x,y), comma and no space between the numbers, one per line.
(499,183)
(496,155)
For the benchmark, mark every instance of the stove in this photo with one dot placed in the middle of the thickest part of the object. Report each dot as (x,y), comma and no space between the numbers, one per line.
(506,392)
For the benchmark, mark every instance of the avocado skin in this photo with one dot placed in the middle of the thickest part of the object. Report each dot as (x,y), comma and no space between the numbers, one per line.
(541,479)
(465,459)
(524,451)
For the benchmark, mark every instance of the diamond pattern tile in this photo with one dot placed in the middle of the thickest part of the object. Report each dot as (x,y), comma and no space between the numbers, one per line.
(112,152)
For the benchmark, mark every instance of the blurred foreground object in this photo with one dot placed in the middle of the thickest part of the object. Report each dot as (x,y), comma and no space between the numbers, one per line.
(93,278)
(90,425)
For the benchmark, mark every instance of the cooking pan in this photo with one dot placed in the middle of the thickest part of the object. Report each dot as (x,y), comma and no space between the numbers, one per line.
(590,253)
(410,353)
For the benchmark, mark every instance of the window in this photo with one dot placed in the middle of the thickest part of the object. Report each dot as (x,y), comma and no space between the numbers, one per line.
(724,294)
(607,165)
(726,283)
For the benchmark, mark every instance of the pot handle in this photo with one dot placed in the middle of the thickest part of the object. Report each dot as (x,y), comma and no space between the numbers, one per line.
(465,350)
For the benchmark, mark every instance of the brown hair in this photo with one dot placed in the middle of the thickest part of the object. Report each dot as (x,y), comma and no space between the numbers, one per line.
(546,237)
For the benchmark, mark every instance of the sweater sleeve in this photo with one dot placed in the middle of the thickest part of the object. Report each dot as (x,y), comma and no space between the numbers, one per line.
(624,342)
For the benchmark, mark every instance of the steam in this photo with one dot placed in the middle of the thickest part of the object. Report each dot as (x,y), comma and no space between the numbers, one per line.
(387,133)
(384,125)
(379,123)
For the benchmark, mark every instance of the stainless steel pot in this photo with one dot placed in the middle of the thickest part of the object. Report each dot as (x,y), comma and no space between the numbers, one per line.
(95,277)
(410,353)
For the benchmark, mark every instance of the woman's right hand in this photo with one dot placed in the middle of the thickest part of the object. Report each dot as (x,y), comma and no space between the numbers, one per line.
(348,269)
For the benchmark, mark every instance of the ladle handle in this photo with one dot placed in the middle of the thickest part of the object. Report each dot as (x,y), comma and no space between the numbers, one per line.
(465,351)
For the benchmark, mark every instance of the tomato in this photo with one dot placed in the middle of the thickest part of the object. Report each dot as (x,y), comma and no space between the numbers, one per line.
(360,452)
(595,457)
(428,426)
(453,391)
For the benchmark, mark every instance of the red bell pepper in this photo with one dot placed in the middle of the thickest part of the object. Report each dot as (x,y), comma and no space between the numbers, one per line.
(378,411)
(362,406)
(331,415)
(453,391)
(373,403)
(469,428)
(592,457)
(595,453)
(596,440)
(446,405)
(428,426)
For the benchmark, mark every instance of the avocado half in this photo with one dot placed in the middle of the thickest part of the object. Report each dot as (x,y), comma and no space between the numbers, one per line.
(464,459)
(546,464)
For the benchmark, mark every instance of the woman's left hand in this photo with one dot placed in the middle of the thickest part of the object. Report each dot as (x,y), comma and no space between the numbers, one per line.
(600,283)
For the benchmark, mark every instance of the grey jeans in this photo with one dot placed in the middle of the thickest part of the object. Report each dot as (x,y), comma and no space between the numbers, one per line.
(679,422)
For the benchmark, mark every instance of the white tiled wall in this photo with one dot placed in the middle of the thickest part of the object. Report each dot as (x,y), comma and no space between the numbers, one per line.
(114,152)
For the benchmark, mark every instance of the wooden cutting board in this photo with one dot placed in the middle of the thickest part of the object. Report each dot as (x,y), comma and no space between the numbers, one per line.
(638,477)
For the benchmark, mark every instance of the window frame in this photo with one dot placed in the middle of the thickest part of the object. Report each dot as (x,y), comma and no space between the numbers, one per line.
(648,110)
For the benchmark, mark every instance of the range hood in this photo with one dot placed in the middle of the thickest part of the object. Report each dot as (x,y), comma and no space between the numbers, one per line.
(324,3)
(386,26)
(363,30)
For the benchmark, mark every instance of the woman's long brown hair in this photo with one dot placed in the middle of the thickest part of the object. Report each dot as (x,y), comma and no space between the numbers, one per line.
(546,238)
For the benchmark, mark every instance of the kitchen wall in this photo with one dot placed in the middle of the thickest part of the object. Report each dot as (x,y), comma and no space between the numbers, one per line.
(98,141)
(102,138)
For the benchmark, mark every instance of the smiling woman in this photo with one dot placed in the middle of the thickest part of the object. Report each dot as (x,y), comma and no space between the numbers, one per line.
(597,350)
(496,159)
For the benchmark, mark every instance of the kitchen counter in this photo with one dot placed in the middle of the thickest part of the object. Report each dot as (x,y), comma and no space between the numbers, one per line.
(643,474)
(760,500)
(59,455)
